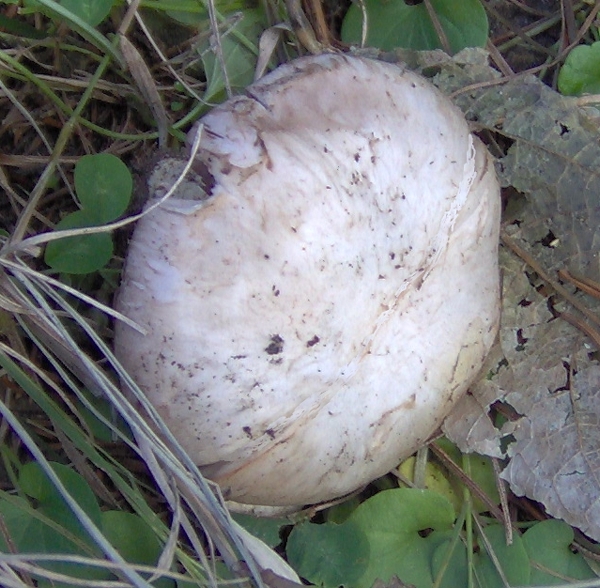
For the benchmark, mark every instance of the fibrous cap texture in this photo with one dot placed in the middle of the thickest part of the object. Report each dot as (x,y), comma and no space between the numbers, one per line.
(316,306)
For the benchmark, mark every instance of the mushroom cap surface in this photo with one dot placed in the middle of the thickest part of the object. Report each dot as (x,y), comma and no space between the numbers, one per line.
(314,316)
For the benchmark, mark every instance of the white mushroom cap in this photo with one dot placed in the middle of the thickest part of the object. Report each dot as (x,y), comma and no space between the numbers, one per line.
(312,321)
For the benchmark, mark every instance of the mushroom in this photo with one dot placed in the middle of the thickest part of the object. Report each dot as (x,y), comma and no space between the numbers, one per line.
(327,286)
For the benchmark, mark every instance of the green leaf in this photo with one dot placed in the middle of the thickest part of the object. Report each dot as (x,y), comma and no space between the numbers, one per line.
(393,23)
(581,72)
(521,563)
(338,513)
(135,540)
(103,185)
(193,13)
(99,430)
(548,545)
(389,523)
(60,13)
(93,12)
(436,479)
(392,520)
(131,536)
(81,254)
(267,530)
(453,572)
(513,560)
(34,482)
(239,45)
(18,519)
(481,472)
(14,26)
(329,554)
(30,533)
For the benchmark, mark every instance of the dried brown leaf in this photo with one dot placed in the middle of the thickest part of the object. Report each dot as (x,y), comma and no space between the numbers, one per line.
(550,374)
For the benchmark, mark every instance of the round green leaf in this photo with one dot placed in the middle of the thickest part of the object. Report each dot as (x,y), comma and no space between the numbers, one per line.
(92,12)
(135,540)
(393,520)
(581,72)
(548,544)
(329,554)
(103,185)
(35,483)
(393,23)
(131,536)
(81,254)
(513,560)
(29,534)
(336,554)
(450,570)
(265,529)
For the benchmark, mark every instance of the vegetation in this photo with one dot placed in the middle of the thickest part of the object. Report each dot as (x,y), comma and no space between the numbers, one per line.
(88,89)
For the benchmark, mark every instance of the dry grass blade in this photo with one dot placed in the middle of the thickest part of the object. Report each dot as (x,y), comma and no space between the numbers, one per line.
(37,301)
(145,83)
(207,508)
(71,94)
(88,524)
(30,564)
(53,319)
(30,245)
